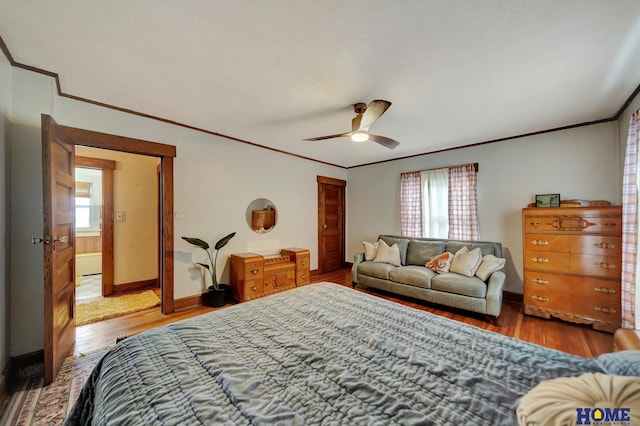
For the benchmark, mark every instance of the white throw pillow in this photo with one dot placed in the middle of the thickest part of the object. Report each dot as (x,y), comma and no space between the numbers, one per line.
(466,262)
(370,250)
(388,254)
(489,265)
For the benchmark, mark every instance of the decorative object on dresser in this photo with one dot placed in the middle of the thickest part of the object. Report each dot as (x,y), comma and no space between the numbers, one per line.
(254,275)
(572,263)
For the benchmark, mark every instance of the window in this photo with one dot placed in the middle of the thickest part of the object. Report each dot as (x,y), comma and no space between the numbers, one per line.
(440,203)
(83,205)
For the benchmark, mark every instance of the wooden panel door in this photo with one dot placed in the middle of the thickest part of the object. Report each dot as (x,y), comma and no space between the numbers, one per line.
(331,224)
(59,251)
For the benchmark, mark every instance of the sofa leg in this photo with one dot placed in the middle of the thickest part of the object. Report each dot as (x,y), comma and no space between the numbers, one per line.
(353,284)
(493,320)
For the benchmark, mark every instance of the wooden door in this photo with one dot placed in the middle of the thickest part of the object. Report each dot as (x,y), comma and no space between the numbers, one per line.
(59,250)
(331,226)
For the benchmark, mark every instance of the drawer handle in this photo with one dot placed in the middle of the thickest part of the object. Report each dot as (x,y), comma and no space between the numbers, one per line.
(254,288)
(303,263)
(534,223)
(539,281)
(540,242)
(254,271)
(605,290)
(304,276)
(610,224)
(540,298)
(604,265)
(604,245)
(540,259)
(605,310)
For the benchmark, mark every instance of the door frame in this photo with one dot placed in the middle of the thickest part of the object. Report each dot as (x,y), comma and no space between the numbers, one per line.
(107,167)
(323,180)
(166,153)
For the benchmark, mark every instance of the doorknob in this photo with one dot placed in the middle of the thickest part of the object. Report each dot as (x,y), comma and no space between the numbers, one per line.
(64,239)
(324,226)
(37,240)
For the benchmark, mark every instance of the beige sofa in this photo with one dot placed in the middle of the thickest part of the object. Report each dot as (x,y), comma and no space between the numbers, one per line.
(412,278)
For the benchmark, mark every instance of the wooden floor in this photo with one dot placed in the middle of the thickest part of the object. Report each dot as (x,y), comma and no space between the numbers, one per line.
(554,334)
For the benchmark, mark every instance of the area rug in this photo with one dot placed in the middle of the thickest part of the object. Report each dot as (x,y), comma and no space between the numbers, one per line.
(113,306)
(33,404)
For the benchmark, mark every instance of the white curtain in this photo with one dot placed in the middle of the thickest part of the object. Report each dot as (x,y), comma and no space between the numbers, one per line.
(435,203)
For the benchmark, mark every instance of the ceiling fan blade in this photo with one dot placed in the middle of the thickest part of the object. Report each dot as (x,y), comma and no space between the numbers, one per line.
(384,141)
(373,112)
(319,138)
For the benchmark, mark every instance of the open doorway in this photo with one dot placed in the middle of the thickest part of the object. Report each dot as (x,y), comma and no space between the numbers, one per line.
(117,233)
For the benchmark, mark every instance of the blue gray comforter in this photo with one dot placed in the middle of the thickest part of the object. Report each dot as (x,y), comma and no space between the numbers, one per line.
(321,354)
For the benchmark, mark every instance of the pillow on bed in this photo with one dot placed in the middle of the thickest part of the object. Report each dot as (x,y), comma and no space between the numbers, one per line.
(557,401)
(441,263)
(489,265)
(466,262)
(388,254)
(370,250)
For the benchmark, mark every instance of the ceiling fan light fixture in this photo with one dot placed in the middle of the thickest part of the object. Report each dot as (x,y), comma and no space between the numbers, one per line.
(360,136)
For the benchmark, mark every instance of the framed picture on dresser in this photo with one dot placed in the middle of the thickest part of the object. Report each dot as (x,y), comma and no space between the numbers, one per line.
(548,200)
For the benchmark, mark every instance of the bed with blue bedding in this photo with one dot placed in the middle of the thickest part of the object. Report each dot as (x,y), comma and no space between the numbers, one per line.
(322,354)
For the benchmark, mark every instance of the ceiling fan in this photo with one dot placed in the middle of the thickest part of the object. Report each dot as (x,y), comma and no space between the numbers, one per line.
(361,123)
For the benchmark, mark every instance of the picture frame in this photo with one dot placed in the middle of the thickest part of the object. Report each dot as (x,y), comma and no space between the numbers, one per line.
(547,200)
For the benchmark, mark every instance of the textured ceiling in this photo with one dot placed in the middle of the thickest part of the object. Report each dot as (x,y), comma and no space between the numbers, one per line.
(275,72)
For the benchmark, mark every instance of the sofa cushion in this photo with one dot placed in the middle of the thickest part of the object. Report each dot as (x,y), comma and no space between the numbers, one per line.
(420,252)
(417,276)
(466,262)
(370,250)
(374,269)
(388,254)
(485,247)
(402,243)
(489,265)
(441,263)
(459,284)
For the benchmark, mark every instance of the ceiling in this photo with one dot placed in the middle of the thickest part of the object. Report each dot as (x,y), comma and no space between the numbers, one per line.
(272,73)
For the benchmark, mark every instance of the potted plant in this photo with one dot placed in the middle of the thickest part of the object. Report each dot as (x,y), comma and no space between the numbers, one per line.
(217,294)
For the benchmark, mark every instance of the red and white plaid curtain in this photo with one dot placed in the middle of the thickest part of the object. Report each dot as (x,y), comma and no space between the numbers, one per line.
(630,223)
(463,203)
(410,204)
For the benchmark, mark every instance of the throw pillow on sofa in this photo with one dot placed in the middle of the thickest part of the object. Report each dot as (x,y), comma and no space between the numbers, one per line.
(388,254)
(489,265)
(441,263)
(370,250)
(466,262)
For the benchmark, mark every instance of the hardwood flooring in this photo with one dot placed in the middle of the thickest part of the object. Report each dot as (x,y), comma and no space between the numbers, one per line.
(563,336)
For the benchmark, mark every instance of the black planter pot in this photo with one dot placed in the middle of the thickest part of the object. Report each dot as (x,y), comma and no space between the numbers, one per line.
(214,298)
(226,288)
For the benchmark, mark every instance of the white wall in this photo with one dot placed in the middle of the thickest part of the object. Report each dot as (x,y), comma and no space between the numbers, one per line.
(5,109)
(578,163)
(215,180)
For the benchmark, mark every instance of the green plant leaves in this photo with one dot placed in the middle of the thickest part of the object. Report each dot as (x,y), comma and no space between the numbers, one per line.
(204,265)
(198,242)
(223,241)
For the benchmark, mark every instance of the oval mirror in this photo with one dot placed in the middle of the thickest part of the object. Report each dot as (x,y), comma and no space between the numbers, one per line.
(261,215)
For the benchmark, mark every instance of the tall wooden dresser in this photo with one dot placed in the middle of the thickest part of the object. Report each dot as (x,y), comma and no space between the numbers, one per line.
(572,264)
(254,275)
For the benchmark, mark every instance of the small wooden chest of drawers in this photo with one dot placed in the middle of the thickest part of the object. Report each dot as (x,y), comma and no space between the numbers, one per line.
(572,264)
(254,275)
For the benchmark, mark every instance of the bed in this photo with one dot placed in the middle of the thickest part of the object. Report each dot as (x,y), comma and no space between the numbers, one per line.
(322,354)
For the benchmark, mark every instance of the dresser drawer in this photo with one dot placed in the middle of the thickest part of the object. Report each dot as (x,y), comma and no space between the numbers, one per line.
(556,298)
(601,266)
(548,261)
(252,289)
(303,262)
(279,280)
(596,244)
(548,242)
(303,277)
(253,270)
(572,223)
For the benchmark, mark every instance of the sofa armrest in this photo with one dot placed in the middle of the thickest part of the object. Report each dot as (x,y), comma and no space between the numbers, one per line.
(494,293)
(357,258)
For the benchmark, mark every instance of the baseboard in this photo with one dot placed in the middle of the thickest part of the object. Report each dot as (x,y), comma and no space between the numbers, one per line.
(136,285)
(187,302)
(22,367)
(513,297)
